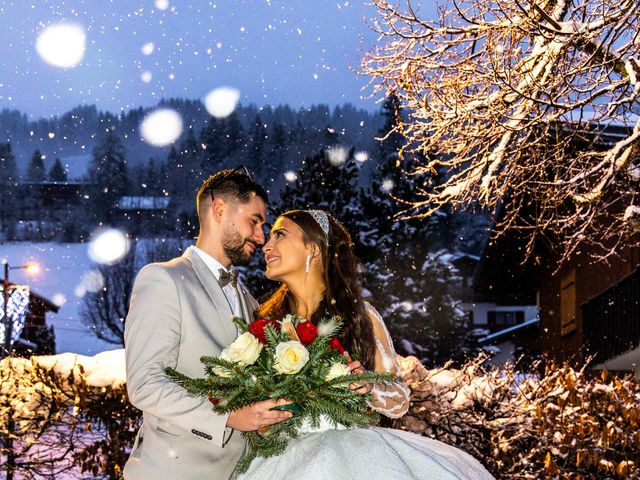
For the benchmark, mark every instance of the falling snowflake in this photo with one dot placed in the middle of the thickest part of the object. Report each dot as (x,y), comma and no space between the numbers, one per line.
(108,246)
(148,48)
(337,155)
(361,157)
(161,127)
(162,4)
(387,185)
(290,176)
(62,45)
(222,101)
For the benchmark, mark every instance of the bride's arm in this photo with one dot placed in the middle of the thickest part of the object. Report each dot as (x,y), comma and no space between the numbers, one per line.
(391,399)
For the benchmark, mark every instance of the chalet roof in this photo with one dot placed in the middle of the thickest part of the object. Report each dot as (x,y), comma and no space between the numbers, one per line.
(143,203)
(33,296)
(48,305)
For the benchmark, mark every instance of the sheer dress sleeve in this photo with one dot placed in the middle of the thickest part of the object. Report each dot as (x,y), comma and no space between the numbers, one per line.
(390,399)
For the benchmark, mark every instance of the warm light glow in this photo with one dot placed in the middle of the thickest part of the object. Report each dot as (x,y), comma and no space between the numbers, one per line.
(222,101)
(32,268)
(62,45)
(161,127)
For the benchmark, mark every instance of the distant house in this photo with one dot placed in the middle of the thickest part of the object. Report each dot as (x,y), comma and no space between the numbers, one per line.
(143,215)
(502,298)
(51,210)
(36,337)
(485,307)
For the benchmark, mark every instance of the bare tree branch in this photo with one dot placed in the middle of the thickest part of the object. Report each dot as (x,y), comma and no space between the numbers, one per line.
(537,101)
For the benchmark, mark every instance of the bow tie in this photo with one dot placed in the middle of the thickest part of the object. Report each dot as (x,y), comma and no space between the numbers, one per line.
(227,278)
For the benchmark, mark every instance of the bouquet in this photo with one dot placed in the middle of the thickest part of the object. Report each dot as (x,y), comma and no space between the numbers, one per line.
(292,359)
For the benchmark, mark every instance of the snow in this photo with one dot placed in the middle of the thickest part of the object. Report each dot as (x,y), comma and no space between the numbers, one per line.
(63,267)
(102,370)
(62,45)
(161,127)
(632,216)
(108,246)
(221,102)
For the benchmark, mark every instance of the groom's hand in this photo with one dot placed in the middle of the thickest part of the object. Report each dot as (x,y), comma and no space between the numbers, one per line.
(257,415)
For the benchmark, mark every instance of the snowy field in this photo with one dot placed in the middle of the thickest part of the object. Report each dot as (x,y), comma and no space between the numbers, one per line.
(64,267)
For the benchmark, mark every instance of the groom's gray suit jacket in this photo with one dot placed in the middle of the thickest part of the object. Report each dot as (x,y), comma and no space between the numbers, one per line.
(178,313)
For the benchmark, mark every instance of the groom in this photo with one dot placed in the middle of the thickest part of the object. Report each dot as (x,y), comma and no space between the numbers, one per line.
(181,310)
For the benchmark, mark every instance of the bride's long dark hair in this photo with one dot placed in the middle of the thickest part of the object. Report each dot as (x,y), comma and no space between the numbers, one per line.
(343,293)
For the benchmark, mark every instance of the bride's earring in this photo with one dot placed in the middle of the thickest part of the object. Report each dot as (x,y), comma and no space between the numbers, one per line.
(307,264)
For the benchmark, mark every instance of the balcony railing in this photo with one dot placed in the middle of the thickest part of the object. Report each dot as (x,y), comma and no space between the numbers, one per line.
(611,321)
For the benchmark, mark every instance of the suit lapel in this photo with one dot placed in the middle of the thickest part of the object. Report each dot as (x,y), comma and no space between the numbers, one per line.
(214,291)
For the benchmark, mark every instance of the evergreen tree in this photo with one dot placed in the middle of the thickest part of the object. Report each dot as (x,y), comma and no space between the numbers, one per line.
(234,133)
(35,170)
(108,169)
(327,185)
(274,155)
(408,285)
(257,148)
(57,172)
(8,184)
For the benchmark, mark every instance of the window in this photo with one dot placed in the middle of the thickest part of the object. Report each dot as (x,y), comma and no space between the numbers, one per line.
(499,320)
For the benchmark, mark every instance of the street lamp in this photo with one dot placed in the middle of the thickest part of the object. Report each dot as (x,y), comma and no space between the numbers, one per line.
(31,268)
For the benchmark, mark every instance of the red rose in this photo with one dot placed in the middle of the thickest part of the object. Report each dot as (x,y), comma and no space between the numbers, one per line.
(336,345)
(307,332)
(257,327)
(214,401)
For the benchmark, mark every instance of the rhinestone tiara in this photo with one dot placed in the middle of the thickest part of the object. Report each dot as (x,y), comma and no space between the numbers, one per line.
(321,219)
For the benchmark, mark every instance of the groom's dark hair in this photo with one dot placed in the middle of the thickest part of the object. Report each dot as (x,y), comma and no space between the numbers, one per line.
(236,184)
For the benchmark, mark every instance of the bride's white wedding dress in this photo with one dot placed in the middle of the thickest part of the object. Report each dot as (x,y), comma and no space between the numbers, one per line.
(336,452)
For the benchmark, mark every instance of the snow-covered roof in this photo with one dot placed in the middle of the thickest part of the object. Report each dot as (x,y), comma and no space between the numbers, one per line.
(143,203)
(500,333)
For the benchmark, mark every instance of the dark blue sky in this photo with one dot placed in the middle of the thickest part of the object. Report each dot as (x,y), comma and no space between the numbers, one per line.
(274,51)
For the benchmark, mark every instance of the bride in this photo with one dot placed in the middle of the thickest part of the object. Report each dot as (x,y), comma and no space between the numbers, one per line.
(310,253)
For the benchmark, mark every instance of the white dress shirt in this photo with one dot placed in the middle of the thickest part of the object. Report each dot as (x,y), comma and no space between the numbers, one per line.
(229,290)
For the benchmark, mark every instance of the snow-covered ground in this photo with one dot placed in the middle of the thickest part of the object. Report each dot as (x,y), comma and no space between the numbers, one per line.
(63,266)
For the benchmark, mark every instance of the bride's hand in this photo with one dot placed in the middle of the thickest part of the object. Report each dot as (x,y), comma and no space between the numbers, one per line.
(354,366)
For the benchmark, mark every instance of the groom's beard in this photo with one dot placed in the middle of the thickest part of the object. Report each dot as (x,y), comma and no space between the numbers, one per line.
(233,247)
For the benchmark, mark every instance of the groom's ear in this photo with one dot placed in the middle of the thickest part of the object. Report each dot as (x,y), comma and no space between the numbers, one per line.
(217,208)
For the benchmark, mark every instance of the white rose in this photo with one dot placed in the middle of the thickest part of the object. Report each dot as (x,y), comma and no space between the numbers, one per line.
(337,370)
(245,350)
(290,357)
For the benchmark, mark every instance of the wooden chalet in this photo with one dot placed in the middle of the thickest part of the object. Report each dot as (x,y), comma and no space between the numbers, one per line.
(586,307)
(36,337)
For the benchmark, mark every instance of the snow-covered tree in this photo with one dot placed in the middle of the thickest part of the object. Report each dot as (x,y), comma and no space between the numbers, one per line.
(57,172)
(108,169)
(35,169)
(8,183)
(507,93)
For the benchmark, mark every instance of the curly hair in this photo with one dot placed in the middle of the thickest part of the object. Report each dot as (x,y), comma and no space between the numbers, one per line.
(343,291)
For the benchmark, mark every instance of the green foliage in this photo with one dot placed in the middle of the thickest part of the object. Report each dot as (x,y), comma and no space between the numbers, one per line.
(310,390)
